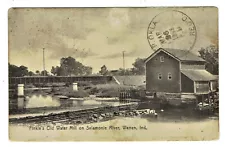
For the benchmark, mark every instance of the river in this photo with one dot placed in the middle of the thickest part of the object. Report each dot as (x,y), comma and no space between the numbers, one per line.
(39,104)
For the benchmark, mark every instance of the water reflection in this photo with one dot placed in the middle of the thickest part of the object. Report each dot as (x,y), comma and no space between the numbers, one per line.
(45,103)
(50,102)
(36,101)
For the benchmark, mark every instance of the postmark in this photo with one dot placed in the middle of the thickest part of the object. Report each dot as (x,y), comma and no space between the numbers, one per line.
(172,29)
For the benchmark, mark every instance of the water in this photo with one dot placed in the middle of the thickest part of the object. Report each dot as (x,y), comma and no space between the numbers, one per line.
(47,103)
(41,101)
(37,103)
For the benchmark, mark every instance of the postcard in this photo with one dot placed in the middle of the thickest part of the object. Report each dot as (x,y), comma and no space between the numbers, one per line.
(113,74)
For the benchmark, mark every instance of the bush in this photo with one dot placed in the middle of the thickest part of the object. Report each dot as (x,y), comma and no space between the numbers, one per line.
(78,94)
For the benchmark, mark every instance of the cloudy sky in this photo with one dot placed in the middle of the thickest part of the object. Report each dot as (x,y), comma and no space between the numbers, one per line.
(93,36)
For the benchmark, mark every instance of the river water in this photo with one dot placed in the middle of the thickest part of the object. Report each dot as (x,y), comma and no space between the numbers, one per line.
(38,103)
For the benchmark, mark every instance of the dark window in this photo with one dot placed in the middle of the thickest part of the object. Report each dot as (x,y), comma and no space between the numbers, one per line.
(160,76)
(169,76)
(161,58)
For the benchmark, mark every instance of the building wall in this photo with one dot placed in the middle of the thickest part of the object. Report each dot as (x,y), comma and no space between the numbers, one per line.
(193,65)
(187,85)
(154,67)
(202,87)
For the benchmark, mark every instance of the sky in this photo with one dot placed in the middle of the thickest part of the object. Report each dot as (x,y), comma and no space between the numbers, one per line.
(93,36)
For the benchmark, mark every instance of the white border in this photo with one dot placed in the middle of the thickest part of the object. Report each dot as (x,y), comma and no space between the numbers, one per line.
(101,3)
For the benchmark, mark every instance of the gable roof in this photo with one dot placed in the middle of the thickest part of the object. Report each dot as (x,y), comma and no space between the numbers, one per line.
(178,54)
(199,75)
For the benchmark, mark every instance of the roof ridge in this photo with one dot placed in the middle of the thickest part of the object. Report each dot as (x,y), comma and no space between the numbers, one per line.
(186,56)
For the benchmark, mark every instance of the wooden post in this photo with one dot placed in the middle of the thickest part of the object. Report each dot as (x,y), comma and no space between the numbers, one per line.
(75,88)
(155,96)
(20,98)
(196,101)
(213,101)
(20,102)
(20,89)
(209,103)
(202,100)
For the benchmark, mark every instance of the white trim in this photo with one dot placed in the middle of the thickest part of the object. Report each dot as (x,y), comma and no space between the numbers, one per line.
(194,87)
(161,58)
(211,85)
(169,75)
(116,80)
(159,50)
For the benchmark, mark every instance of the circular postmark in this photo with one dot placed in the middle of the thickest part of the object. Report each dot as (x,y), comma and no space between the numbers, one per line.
(172,29)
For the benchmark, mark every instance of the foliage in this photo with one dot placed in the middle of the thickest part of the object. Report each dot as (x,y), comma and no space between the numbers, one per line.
(137,69)
(55,70)
(139,66)
(108,90)
(122,72)
(69,66)
(104,70)
(15,71)
(210,54)
(44,73)
(37,72)
(67,91)
(30,73)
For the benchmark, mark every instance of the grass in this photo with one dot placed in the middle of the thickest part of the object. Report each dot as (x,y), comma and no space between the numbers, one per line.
(107,90)
(67,91)
(100,90)
(86,89)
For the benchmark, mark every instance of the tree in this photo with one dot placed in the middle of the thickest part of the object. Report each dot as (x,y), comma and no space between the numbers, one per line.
(54,70)
(210,54)
(104,70)
(23,70)
(139,66)
(137,69)
(69,66)
(30,73)
(15,71)
(44,73)
(57,71)
(37,72)
(87,70)
(121,72)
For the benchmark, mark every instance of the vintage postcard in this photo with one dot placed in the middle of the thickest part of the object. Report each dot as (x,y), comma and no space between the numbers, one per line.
(113,74)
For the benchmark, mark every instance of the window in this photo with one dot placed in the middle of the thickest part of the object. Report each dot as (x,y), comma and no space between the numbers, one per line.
(169,76)
(160,76)
(161,58)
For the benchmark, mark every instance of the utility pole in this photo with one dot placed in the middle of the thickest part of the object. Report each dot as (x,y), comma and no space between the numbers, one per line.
(123,61)
(43,61)
(123,68)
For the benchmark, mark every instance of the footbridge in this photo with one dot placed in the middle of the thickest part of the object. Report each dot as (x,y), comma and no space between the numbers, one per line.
(59,79)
